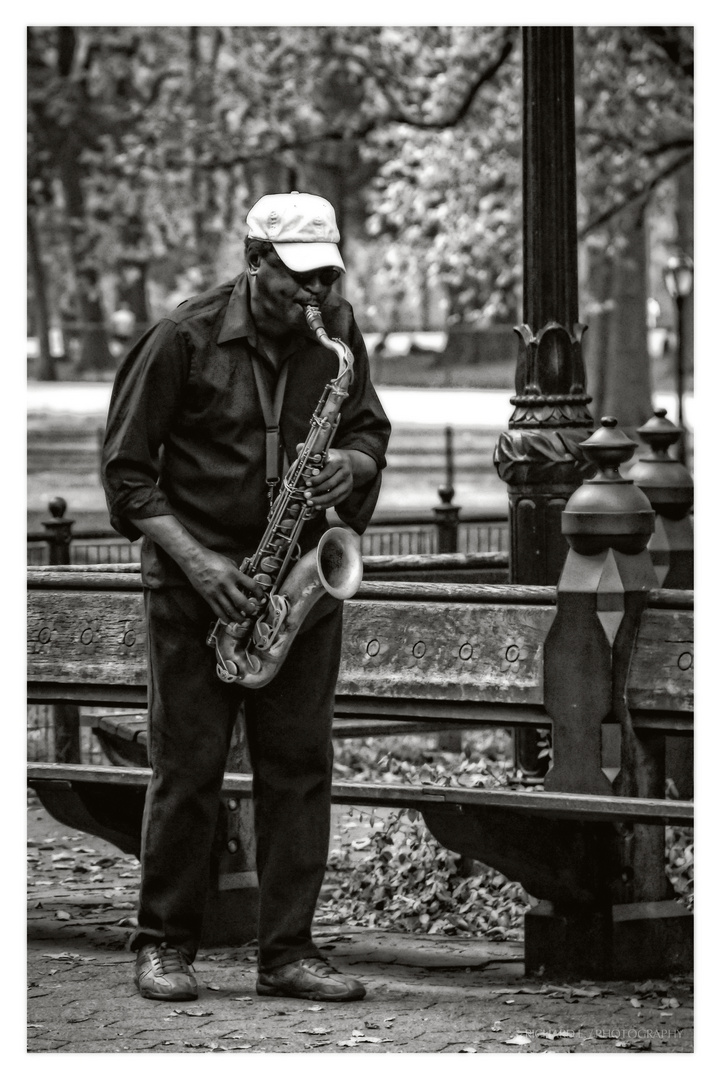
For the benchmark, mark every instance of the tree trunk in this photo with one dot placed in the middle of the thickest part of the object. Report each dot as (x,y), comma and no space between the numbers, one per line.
(685,233)
(625,384)
(46,370)
(94,351)
(203,183)
(597,318)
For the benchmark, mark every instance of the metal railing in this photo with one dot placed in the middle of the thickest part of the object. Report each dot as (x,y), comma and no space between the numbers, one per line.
(441,530)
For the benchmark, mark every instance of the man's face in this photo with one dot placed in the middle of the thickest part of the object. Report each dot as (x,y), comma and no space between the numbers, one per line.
(277,300)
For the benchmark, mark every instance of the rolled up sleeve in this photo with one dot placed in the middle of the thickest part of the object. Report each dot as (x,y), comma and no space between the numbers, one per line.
(145,396)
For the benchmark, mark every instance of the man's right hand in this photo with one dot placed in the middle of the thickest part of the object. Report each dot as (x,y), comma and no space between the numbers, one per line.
(233,596)
(215,577)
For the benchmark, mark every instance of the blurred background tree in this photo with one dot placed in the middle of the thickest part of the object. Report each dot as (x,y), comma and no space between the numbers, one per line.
(147,145)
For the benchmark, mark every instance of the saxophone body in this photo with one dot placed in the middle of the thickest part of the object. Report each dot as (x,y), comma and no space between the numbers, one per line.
(251,652)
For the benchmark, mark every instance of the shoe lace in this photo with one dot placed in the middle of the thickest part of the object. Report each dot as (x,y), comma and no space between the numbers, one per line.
(318,965)
(169,961)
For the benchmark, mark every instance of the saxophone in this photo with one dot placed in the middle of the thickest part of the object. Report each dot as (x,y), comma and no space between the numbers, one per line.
(251,652)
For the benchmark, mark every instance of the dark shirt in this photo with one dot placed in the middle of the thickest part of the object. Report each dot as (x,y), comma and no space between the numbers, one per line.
(186,432)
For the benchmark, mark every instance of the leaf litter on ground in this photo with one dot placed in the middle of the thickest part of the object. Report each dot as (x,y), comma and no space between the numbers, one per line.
(397,876)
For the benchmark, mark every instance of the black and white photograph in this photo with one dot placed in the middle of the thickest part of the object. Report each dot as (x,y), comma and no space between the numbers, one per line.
(360,453)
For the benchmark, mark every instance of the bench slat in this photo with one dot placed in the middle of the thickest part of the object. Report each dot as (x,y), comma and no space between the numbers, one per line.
(413,796)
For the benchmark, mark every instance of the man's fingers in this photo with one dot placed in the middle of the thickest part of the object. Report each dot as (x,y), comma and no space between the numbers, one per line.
(233,602)
(249,585)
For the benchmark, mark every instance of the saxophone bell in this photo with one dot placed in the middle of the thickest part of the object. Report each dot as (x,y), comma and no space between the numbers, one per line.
(334,567)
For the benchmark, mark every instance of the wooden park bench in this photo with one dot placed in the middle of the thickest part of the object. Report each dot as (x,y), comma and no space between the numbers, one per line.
(591,853)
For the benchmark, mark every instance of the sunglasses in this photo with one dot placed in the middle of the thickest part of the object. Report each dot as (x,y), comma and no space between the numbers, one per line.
(327,275)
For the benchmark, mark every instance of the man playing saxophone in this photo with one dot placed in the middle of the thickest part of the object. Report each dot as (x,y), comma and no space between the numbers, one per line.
(208,411)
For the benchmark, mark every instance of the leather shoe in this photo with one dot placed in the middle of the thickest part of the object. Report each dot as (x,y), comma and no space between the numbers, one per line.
(312,977)
(164,974)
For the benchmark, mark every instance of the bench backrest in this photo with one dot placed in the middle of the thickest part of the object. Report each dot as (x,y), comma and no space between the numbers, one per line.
(457,646)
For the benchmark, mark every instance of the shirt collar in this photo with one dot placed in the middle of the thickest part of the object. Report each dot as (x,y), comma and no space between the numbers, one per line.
(238,321)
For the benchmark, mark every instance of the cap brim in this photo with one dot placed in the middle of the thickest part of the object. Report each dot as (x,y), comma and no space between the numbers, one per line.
(303,257)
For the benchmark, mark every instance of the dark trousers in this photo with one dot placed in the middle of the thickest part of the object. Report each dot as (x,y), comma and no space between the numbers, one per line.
(191,718)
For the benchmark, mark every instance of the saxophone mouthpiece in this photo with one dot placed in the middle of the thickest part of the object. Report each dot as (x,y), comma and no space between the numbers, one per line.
(315,322)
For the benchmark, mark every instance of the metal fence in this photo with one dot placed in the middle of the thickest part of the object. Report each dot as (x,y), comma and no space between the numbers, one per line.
(407,536)
(108,549)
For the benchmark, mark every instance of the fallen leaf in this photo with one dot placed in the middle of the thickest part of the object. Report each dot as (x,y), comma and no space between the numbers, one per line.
(669,1003)
(63,915)
(468,1050)
(517,1040)
(70,956)
(652,986)
(635,1003)
(210,986)
(576,991)
(192,1012)
(312,1008)
(359,1038)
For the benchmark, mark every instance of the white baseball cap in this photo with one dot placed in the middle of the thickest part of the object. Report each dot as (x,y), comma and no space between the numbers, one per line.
(301,227)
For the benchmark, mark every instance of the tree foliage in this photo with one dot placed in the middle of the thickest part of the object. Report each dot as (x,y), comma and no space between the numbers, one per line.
(147,144)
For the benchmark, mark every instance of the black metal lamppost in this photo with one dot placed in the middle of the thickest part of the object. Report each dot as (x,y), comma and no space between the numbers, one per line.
(678,275)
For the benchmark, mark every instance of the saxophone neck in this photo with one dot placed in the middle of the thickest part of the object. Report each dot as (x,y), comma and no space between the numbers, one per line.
(341,350)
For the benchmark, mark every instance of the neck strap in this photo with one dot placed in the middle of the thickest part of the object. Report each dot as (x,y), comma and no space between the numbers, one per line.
(271,408)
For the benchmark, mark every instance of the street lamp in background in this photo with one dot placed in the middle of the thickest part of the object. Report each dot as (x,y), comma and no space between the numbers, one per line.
(678,276)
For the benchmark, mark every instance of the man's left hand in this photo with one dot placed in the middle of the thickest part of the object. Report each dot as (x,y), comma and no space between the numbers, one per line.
(332,484)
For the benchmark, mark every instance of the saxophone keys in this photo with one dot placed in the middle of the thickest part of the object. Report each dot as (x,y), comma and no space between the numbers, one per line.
(227,671)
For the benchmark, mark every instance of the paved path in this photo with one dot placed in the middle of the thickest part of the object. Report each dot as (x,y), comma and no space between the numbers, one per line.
(426,994)
(480,408)
(84,406)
